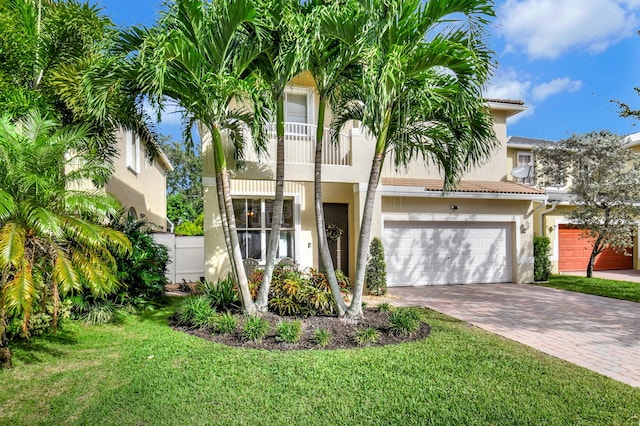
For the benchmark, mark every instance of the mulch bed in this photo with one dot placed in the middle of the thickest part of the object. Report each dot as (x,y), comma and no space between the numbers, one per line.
(341,330)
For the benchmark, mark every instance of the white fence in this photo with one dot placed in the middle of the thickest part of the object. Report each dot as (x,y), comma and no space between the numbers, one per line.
(186,255)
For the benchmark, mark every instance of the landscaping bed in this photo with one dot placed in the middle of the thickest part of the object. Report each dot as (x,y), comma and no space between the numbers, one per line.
(342,332)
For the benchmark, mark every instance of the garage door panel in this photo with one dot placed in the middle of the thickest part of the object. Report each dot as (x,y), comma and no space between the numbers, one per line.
(426,253)
(574,252)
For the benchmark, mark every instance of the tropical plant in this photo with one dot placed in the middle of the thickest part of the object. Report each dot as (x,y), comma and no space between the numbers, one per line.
(279,62)
(195,228)
(419,96)
(222,294)
(605,183)
(366,336)
(255,328)
(184,184)
(288,331)
(384,307)
(142,272)
(51,243)
(376,275)
(55,56)
(224,323)
(332,63)
(322,337)
(541,262)
(404,321)
(195,311)
(200,54)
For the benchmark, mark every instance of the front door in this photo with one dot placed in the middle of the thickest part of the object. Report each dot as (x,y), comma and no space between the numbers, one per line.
(336,219)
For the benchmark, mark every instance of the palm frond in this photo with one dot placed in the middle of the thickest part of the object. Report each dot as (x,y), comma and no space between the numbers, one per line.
(12,241)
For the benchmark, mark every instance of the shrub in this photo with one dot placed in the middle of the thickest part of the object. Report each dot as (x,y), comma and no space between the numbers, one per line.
(367,336)
(142,272)
(105,312)
(541,262)
(298,293)
(376,273)
(385,307)
(322,337)
(195,311)
(404,321)
(289,331)
(195,228)
(224,323)
(222,294)
(255,328)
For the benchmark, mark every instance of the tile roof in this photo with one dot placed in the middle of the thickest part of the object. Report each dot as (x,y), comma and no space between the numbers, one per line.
(505,101)
(475,186)
(521,140)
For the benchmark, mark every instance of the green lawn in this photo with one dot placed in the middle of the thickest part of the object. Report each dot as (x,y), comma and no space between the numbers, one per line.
(623,290)
(143,373)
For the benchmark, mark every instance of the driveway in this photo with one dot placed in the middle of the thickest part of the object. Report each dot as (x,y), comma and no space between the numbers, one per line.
(597,333)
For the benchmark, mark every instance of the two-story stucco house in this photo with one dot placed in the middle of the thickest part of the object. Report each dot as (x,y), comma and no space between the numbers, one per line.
(569,250)
(140,185)
(480,233)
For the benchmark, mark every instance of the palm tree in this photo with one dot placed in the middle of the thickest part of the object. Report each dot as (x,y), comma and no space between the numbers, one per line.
(55,56)
(424,65)
(50,242)
(200,54)
(281,60)
(333,65)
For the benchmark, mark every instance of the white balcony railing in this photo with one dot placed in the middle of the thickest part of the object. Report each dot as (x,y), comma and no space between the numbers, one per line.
(300,146)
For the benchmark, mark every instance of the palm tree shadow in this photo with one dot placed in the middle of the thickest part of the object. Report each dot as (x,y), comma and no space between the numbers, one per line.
(38,349)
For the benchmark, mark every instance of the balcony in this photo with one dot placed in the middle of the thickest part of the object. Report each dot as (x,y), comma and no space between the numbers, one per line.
(300,146)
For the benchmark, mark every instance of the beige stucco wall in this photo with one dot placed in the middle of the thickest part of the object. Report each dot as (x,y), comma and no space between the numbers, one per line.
(144,191)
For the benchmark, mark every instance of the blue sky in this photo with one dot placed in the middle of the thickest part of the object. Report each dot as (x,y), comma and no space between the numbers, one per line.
(566,59)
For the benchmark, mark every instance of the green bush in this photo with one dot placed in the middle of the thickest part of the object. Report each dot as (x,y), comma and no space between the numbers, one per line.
(404,321)
(142,273)
(195,311)
(376,273)
(195,228)
(367,336)
(298,293)
(541,262)
(322,337)
(222,294)
(289,331)
(224,323)
(385,307)
(255,328)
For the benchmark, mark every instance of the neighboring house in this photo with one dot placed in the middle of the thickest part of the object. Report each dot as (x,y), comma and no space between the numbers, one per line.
(569,251)
(140,185)
(479,233)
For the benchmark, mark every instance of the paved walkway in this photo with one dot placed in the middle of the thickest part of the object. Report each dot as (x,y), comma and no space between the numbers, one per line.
(597,333)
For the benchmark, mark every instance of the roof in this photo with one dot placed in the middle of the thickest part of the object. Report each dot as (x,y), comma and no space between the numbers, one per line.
(510,106)
(528,142)
(505,101)
(469,186)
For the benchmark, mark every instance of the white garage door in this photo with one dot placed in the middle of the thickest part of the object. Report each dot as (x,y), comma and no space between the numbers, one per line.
(428,253)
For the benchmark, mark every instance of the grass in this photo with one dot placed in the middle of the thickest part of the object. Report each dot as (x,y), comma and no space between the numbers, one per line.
(623,290)
(142,372)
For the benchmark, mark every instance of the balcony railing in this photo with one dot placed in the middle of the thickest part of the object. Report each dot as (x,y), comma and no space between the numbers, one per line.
(300,146)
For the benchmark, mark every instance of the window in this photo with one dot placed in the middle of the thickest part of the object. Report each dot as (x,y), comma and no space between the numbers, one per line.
(526,159)
(132,142)
(298,111)
(254,219)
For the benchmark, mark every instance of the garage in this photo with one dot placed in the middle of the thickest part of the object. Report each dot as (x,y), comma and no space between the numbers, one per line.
(574,252)
(433,253)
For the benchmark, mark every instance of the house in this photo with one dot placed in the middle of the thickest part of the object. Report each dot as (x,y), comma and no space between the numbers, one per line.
(569,251)
(479,233)
(140,185)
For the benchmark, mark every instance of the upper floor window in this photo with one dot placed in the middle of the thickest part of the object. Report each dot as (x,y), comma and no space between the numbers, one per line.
(132,142)
(253,221)
(526,159)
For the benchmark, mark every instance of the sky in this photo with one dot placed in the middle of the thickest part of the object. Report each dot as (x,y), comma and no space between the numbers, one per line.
(566,59)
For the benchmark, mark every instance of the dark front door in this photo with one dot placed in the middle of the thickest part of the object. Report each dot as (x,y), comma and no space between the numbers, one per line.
(336,217)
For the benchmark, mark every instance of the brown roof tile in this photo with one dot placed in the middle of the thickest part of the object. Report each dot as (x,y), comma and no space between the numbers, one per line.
(465,186)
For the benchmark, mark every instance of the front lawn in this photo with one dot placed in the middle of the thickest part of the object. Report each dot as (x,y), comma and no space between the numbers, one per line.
(142,372)
(623,290)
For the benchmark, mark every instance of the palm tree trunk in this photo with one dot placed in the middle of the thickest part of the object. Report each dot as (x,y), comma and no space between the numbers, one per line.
(276,222)
(235,255)
(323,246)
(355,310)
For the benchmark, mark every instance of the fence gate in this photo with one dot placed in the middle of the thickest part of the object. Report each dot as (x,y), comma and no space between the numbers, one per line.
(186,255)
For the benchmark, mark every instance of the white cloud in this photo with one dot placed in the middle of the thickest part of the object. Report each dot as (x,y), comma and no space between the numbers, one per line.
(549,28)
(520,86)
(558,85)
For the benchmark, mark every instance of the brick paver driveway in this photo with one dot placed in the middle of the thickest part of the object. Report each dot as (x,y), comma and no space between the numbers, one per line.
(595,332)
